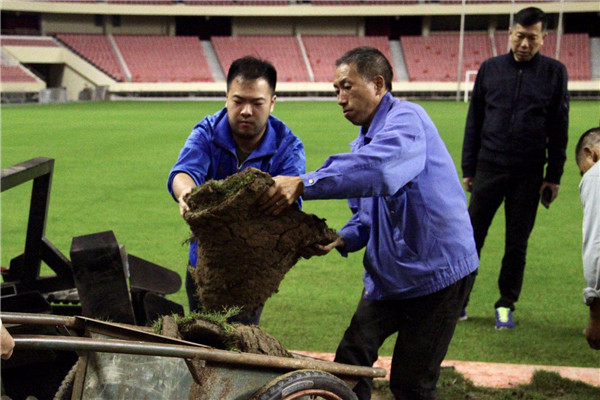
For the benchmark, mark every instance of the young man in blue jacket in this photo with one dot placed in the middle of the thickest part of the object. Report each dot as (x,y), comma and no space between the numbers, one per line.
(241,135)
(410,215)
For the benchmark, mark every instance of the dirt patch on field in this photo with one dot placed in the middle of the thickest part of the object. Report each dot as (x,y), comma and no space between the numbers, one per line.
(244,254)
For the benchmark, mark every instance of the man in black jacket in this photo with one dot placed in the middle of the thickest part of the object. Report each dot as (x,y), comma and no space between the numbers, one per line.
(518,119)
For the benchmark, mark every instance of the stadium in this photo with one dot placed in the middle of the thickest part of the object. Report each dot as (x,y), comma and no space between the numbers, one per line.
(117,48)
(110,90)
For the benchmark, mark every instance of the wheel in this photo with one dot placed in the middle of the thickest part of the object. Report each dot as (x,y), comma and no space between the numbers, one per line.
(305,384)
(66,387)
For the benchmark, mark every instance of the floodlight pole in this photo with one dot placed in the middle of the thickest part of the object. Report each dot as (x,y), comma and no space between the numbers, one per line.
(511,20)
(460,50)
(559,29)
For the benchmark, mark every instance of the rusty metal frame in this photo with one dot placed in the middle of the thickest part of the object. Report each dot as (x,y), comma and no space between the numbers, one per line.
(85,344)
(37,247)
(141,342)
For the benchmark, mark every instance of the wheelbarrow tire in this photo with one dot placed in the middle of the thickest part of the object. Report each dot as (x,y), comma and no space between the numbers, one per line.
(297,384)
(65,389)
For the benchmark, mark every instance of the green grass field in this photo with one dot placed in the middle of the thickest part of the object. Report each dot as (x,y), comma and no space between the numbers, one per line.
(112,161)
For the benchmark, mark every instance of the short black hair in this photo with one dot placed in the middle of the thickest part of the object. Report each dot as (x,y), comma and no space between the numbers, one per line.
(369,62)
(530,16)
(590,138)
(252,68)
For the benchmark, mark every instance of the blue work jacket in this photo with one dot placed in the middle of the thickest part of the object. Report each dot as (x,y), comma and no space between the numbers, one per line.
(409,209)
(210,153)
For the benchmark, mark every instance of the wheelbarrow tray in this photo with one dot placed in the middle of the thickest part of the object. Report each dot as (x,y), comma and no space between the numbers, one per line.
(119,361)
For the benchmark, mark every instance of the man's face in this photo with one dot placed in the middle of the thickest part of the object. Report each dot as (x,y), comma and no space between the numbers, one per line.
(589,157)
(526,41)
(249,104)
(358,98)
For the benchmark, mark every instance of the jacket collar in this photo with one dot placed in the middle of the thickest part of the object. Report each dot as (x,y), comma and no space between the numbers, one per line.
(379,117)
(224,138)
(523,64)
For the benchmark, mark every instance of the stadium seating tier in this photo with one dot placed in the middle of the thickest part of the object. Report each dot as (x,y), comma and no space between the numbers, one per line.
(158,58)
(323,51)
(283,51)
(435,57)
(97,50)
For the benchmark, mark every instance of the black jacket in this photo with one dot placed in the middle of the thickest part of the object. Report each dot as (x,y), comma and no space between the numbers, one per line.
(518,111)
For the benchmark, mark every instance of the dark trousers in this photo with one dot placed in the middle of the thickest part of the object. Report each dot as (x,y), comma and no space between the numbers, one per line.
(425,326)
(191,289)
(520,191)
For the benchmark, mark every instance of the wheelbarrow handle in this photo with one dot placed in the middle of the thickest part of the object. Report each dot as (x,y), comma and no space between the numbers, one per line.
(82,344)
(40,319)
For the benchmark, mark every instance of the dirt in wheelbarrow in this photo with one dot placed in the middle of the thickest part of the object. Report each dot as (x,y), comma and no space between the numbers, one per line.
(243,254)
(203,329)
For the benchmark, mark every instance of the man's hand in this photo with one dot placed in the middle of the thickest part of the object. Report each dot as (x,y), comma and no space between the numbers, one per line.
(321,250)
(282,194)
(183,207)
(7,343)
(553,187)
(592,330)
(182,185)
(468,183)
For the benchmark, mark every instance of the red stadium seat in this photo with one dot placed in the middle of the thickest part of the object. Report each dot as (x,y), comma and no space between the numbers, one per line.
(323,51)
(282,51)
(14,73)
(97,50)
(435,57)
(157,58)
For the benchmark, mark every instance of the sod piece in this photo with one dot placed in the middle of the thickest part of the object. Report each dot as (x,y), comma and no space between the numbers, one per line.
(244,254)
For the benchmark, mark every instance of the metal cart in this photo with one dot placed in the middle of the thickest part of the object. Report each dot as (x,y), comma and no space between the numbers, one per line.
(121,361)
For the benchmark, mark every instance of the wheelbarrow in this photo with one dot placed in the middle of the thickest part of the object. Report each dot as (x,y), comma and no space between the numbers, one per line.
(123,362)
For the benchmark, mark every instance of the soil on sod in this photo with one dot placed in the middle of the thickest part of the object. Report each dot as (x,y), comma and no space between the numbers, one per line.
(222,335)
(212,329)
(244,254)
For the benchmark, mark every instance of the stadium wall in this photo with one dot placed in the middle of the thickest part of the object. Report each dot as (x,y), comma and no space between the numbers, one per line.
(297,10)
(102,24)
(292,26)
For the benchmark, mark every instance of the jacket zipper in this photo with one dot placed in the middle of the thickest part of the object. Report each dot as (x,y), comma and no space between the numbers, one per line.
(515,99)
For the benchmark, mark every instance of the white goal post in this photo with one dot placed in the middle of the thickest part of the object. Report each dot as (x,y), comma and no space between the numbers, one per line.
(468,75)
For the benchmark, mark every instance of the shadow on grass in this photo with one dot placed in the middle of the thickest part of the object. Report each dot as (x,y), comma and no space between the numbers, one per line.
(544,385)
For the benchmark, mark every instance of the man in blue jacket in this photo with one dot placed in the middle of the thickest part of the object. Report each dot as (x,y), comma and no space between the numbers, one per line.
(241,135)
(409,212)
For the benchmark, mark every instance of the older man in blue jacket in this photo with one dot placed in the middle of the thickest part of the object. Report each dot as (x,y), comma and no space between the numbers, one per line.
(241,135)
(410,213)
